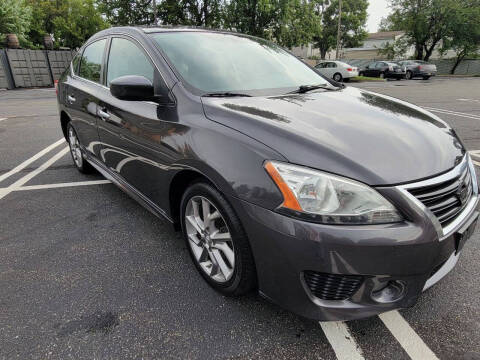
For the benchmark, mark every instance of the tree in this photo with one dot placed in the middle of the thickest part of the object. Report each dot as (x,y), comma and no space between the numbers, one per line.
(127,12)
(298,24)
(464,35)
(206,13)
(80,19)
(15,18)
(354,17)
(425,22)
(254,17)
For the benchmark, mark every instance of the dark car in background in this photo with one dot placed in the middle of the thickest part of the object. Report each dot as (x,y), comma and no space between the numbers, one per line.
(334,202)
(384,70)
(418,68)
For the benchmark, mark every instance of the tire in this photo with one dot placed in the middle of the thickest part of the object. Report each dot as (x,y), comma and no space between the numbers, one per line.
(337,77)
(76,152)
(426,77)
(346,80)
(409,75)
(204,242)
(382,75)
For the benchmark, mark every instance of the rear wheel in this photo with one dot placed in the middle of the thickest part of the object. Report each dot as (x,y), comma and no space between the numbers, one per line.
(337,77)
(75,150)
(216,240)
(409,75)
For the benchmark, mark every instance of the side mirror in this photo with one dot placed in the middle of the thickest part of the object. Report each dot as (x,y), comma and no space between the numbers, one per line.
(132,88)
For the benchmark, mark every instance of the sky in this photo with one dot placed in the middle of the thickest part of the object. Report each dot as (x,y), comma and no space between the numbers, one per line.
(376,11)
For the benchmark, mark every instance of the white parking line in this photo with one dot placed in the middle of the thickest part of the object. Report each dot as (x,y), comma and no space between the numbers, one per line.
(1,119)
(30,160)
(406,336)
(341,340)
(57,185)
(30,175)
(476,162)
(455,113)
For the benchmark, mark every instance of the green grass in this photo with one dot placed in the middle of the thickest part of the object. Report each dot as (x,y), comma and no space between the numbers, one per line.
(365,78)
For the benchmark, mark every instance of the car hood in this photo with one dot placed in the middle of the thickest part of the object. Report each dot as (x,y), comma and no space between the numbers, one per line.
(369,137)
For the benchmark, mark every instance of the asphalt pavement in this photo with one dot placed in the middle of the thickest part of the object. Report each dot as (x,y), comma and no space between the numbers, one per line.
(86,272)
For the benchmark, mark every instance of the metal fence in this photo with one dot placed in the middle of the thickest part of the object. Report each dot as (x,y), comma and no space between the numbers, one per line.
(31,68)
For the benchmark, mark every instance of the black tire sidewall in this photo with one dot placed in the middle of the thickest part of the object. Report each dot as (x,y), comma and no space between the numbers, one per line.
(239,239)
(338,75)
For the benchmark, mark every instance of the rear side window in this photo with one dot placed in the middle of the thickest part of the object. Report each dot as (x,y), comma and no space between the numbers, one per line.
(75,62)
(126,58)
(91,61)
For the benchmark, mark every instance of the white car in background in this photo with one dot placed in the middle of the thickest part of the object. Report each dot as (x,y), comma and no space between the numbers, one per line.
(337,70)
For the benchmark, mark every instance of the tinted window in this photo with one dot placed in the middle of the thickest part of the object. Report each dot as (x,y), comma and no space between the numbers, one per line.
(227,62)
(321,65)
(332,65)
(91,61)
(126,58)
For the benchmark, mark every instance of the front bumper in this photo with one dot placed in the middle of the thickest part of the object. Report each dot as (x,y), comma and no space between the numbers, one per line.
(411,254)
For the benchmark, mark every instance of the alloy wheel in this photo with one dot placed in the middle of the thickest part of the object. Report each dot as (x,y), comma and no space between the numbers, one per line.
(75,147)
(209,239)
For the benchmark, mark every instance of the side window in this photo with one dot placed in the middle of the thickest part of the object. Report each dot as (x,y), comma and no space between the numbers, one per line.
(91,61)
(75,62)
(320,66)
(126,58)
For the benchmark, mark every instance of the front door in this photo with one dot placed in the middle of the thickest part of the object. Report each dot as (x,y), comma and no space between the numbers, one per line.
(131,132)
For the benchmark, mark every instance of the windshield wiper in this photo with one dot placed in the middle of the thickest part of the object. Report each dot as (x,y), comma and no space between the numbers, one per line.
(226,94)
(305,88)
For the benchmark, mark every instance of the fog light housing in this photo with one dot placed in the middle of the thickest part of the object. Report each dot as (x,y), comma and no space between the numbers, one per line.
(393,291)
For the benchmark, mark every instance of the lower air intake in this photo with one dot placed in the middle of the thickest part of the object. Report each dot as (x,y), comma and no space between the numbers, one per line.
(332,286)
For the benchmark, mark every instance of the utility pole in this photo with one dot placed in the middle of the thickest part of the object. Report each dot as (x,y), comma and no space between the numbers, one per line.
(155,15)
(339,33)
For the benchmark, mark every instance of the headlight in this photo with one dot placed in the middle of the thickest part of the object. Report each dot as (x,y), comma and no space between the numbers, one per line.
(328,198)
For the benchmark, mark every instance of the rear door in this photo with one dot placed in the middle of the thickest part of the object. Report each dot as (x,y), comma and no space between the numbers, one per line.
(132,131)
(82,94)
(370,71)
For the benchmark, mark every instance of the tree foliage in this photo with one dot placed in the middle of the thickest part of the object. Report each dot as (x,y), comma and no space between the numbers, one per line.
(425,22)
(354,17)
(15,18)
(127,12)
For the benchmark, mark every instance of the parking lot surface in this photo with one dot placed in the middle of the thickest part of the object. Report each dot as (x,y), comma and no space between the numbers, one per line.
(86,272)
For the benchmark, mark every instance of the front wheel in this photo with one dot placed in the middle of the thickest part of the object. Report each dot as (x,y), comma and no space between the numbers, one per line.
(216,240)
(75,150)
(409,75)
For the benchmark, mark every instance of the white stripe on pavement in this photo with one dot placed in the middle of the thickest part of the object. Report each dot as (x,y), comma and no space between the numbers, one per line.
(406,336)
(342,342)
(476,162)
(1,119)
(30,160)
(30,175)
(455,113)
(58,185)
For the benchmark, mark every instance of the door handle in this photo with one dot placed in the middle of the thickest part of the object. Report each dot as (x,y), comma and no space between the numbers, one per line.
(71,99)
(103,115)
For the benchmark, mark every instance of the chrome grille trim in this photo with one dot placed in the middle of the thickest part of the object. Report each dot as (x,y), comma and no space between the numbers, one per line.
(463,169)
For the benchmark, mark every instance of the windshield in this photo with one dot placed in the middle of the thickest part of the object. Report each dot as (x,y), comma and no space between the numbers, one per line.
(217,62)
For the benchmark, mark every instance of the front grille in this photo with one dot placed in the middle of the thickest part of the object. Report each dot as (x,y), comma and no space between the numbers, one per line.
(448,198)
(332,286)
